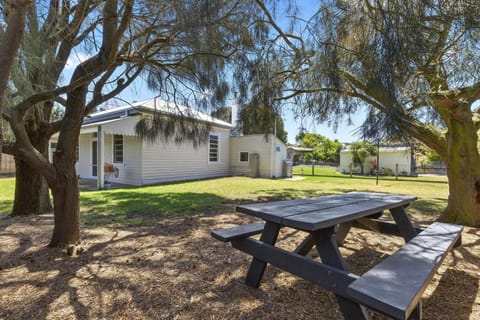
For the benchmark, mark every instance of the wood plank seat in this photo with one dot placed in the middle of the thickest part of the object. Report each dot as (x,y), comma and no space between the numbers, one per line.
(238,232)
(395,286)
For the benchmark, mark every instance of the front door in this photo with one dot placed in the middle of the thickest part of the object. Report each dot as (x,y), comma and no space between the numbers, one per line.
(94,158)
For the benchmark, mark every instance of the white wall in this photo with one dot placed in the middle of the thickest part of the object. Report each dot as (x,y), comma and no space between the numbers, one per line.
(345,160)
(172,162)
(84,164)
(269,166)
(389,157)
(130,171)
(400,157)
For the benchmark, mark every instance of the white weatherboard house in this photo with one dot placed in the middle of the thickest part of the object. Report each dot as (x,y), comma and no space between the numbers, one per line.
(109,137)
(389,158)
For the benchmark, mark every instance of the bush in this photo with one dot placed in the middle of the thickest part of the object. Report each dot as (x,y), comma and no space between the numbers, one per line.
(386,172)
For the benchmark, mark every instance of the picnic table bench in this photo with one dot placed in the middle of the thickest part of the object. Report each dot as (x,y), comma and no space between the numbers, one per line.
(393,287)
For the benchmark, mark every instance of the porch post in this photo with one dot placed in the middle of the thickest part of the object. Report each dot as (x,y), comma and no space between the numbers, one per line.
(100,158)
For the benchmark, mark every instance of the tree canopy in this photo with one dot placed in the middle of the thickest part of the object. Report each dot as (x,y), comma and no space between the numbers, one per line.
(361,150)
(182,49)
(324,149)
(262,119)
(414,66)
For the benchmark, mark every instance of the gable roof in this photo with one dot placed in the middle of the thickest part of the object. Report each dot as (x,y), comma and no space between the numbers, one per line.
(151,106)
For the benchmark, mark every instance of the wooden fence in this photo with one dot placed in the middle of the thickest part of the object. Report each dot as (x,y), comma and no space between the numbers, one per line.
(7,165)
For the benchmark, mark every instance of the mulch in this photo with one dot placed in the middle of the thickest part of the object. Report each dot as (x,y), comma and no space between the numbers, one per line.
(175,270)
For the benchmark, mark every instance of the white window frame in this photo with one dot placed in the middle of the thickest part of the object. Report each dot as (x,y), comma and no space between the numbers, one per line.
(218,148)
(123,149)
(240,157)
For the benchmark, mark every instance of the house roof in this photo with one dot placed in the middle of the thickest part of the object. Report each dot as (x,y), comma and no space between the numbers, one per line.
(300,149)
(151,106)
(385,149)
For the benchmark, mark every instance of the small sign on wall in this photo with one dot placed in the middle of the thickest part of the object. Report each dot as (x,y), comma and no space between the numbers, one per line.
(278,149)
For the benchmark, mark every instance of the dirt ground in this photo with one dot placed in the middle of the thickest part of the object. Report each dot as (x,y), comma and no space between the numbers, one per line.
(176,270)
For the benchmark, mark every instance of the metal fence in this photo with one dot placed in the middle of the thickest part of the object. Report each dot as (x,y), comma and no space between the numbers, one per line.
(431,170)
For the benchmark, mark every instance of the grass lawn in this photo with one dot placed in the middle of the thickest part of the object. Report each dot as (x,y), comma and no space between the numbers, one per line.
(149,255)
(138,205)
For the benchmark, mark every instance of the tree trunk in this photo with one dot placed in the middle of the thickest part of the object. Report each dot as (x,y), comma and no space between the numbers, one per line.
(9,44)
(31,191)
(66,199)
(463,172)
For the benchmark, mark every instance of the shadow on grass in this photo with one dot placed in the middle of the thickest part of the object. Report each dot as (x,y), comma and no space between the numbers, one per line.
(5,206)
(141,208)
(380,178)
(430,207)
(138,206)
(287,194)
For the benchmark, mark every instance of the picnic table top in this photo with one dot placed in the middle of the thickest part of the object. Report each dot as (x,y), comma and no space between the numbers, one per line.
(321,212)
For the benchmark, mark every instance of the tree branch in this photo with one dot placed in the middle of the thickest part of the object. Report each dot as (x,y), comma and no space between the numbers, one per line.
(449,98)
(99,98)
(272,22)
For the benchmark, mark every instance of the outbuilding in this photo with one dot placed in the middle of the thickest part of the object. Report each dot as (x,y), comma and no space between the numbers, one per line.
(390,158)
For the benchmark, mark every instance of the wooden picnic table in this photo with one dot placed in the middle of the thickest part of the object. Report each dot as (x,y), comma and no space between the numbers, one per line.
(394,287)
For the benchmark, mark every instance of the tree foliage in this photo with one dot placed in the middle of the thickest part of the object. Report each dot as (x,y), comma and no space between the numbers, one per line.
(262,119)
(223,113)
(324,149)
(182,49)
(411,64)
(361,150)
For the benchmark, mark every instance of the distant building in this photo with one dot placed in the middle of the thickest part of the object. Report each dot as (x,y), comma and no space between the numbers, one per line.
(389,158)
(296,153)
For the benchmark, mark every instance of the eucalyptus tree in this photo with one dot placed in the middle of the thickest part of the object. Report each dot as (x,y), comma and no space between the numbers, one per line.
(360,151)
(11,34)
(262,119)
(414,66)
(180,48)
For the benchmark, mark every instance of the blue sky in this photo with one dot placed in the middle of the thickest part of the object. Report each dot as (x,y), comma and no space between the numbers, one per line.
(344,132)
(139,91)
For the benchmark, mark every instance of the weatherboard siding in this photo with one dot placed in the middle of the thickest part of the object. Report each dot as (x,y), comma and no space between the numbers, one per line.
(84,164)
(168,161)
(130,171)
(389,158)
(263,146)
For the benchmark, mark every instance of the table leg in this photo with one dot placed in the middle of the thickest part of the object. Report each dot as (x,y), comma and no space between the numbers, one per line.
(342,232)
(304,248)
(257,267)
(327,248)
(308,243)
(407,230)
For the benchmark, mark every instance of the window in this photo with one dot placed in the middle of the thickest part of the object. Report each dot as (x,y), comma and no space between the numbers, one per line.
(117,148)
(243,156)
(213,148)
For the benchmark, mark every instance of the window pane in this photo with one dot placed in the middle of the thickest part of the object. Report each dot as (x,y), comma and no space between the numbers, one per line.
(213,148)
(243,156)
(118,148)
